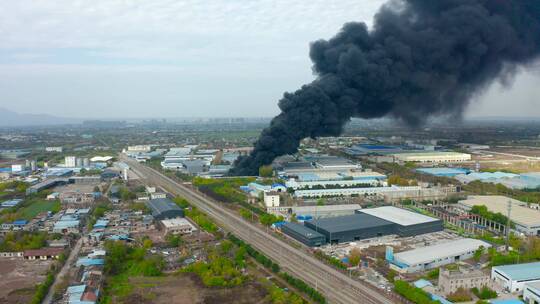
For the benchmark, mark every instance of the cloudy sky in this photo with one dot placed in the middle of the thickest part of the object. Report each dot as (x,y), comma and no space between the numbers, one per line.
(181,58)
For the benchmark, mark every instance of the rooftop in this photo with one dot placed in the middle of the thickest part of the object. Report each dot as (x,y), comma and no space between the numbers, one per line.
(520,214)
(432,154)
(160,205)
(303,230)
(534,285)
(325,208)
(47,251)
(349,222)
(169,223)
(434,252)
(399,216)
(519,272)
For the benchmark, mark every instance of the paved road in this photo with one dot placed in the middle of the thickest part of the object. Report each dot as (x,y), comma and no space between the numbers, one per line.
(58,279)
(336,286)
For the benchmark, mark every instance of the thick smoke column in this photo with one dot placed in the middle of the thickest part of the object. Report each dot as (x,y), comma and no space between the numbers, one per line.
(422,58)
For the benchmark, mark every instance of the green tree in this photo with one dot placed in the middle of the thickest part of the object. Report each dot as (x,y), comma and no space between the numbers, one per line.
(478,254)
(354,257)
(266,171)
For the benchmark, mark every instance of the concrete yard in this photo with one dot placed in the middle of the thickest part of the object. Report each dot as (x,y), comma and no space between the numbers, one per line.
(18,278)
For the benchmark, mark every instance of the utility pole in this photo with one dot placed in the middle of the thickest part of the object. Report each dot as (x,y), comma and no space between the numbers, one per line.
(508,224)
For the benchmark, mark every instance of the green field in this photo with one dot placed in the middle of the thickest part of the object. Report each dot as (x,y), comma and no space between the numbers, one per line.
(34,208)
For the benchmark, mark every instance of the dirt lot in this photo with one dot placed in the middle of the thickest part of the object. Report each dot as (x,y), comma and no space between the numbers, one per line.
(18,278)
(187,289)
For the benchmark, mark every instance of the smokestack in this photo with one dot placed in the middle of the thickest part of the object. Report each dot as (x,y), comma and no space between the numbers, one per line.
(422,58)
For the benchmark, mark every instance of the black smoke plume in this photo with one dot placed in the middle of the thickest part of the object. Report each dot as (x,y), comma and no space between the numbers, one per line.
(422,58)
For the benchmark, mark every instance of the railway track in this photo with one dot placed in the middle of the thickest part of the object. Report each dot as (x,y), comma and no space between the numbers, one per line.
(336,286)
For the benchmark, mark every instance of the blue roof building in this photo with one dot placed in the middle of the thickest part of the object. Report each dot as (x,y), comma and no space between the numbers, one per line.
(90,262)
(514,277)
(19,222)
(11,203)
(444,172)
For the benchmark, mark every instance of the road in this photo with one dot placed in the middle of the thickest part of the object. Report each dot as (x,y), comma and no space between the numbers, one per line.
(58,279)
(336,286)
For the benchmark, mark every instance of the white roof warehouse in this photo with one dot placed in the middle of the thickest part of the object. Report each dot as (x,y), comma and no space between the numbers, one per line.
(434,256)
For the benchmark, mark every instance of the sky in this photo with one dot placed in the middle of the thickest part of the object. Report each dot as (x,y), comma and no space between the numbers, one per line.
(183,58)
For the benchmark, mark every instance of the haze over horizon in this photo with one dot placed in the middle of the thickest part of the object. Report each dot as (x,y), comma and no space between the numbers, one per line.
(107,59)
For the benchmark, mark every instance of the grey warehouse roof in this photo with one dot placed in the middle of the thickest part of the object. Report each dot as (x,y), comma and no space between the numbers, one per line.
(521,272)
(303,230)
(430,253)
(349,222)
(161,205)
(399,216)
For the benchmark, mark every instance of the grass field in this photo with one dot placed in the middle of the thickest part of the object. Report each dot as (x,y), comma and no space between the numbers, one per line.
(36,207)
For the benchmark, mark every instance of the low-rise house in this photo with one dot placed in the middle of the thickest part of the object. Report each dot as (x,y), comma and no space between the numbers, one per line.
(10,254)
(271,199)
(177,226)
(47,253)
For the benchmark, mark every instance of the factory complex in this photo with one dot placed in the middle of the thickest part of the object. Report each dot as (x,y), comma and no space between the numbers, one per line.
(433,256)
(364,224)
(432,157)
(525,219)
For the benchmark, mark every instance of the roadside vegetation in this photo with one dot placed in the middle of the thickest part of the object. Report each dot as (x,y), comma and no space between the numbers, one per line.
(122,262)
(15,241)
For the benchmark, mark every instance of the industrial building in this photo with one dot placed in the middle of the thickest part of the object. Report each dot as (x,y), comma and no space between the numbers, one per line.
(303,234)
(350,228)
(316,211)
(525,219)
(375,222)
(177,226)
(429,257)
(365,191)
(407,223)
(531,293)
(514,277)
(432,157)
(164,208)
(444,172)
(354,179)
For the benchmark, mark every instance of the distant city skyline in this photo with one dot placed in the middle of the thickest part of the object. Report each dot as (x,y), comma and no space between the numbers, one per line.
(162,59)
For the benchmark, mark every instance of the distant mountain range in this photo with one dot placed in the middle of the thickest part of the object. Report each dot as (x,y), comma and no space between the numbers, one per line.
(13,119)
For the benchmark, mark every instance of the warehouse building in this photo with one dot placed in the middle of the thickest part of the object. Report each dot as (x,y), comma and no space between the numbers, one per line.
(514,277)
(433,256)
(433,157)
(365,191)
(375,222)
(531,293)
(407,223)
(444,172)
(164,208)
(350,228)
(525,219)
(303,234)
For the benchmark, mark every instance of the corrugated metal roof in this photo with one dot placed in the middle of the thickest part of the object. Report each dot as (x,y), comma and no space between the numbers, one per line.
(518,272)
(349,222)
(399,216)
(430,253)
(303,230)
(160,205)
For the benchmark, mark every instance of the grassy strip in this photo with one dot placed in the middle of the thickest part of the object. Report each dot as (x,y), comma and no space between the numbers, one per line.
(43,288)
(412,293)
(274,267)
